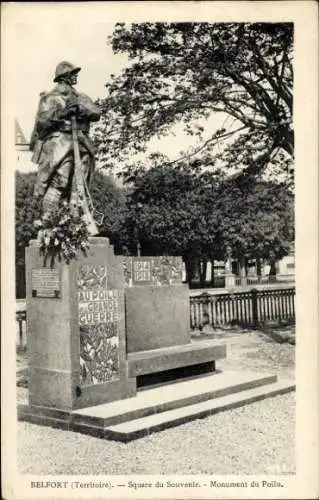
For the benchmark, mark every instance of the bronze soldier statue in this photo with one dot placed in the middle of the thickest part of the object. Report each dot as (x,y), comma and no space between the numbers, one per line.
(61,145)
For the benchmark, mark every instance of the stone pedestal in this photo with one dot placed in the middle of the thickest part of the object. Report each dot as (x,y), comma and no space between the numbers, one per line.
(102,326)
(157,303)
(157,317)
(81,377)
(230,281)
(76,330)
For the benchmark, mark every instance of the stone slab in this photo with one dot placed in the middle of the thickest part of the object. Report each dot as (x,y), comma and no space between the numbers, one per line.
(101,324)
(160,399)
(156,317)
(45,416)
(102,335)
(138,428)
(168,358)
(159,408)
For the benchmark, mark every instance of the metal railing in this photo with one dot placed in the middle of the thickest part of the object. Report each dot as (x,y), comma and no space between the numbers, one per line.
(249,308)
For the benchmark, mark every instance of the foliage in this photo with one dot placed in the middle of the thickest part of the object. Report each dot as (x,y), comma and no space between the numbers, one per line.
(110,200)
(26,211)
(107,199)
(185,73)
(62,234)
(198,215)
(168,212)
(256,219)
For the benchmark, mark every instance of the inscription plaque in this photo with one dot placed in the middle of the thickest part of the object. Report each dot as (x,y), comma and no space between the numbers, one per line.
(142,270)
(97,306)
(46,283)
(99,320)
(156,271)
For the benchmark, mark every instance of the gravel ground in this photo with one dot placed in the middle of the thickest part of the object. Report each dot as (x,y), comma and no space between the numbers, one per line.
(258,351)
(247,440)
(255,439)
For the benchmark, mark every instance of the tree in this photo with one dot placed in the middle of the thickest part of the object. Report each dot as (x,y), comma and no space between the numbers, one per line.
(168,214)
(257,220)
(110,200)
(26,211)
(198,215)
(184,73)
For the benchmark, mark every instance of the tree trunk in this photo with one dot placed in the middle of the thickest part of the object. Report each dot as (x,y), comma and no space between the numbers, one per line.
(196,271)
(246,267)
(138,248)
(202,273)
(212,273)
(190,270)
(258,266)
(187,270)
(242,272)
(272,271)
(20,279)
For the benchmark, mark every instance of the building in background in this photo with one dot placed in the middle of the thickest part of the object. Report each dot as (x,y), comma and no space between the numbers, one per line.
(286,266)
(22,151)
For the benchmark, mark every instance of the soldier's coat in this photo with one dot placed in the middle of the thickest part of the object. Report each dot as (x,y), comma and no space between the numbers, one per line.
(51,140)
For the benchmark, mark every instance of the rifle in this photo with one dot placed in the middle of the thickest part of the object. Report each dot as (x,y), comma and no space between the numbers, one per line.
(79,186)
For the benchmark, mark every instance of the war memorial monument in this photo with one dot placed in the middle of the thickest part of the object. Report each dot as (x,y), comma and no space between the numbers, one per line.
(109,345)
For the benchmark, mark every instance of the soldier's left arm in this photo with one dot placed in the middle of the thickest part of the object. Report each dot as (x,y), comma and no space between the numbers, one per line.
(87,109)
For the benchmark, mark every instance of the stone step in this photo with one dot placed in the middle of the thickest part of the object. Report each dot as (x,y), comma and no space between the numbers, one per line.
(168,358)
(138,428)
(170,397)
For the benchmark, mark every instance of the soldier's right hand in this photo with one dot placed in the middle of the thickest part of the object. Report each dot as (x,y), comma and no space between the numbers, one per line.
(72,109)
(72,104)
(68,110)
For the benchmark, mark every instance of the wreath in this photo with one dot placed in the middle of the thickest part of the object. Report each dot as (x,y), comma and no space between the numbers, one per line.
(62,234)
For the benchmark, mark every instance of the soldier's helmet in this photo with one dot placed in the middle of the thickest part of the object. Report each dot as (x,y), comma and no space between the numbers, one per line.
(64,68)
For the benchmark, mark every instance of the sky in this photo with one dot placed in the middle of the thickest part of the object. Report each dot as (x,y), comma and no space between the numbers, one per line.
(41,41)
(40,47)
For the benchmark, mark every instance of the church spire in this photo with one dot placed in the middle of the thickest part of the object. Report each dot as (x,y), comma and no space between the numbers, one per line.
(19,137)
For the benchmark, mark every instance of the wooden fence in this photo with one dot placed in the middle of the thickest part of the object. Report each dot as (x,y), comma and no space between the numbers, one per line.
(249,308)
